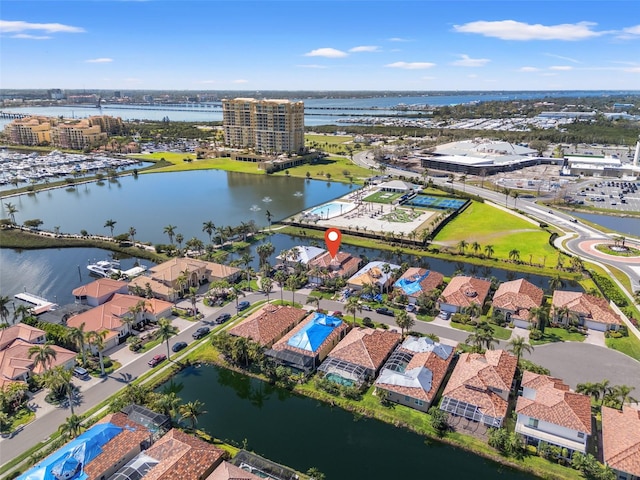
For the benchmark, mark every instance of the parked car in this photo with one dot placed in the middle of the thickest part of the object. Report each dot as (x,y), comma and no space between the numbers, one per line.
(80,373)
(366,307)
(243,305)
(223,317)
(157,359)
(411,308)
(201,332)
(385,311)
(179,346)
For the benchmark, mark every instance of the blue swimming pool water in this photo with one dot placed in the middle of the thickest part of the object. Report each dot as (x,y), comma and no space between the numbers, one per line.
(331,209)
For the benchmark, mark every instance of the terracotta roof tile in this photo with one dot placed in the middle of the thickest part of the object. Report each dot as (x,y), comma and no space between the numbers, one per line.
(518,296)
(342,265)
(269,323)
(621,439)
(476,375)
(228,471)
(15,361)
(366,347)
(20,330)
(182,457)
(593,308)
(100,288)
(462,291)
(554,403)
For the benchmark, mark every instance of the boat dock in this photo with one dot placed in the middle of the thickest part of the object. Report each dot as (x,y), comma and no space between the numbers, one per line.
(41,305)
(134,272)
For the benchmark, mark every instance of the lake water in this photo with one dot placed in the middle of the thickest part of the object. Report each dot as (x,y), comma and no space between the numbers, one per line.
(184,199)
(303,433)
(627,225)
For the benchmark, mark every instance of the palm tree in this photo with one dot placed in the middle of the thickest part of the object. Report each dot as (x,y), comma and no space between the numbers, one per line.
(476,247)
(404,321)
(266,284)
(588,388)
(11,211)
(44,355)
(96,339)
(209,227)
(264,251)
(281,279)
(77,336)
(71,427)
(269,217)
(179,240)
(110,224)
(514,255)
(474,310)
(555,283)
(167,403)
(506,191)
(604,388)
(165,331)
(246,259)
(312,299)
(292,283)
(462,245)
(193,296)
(59,381)
(518,345)
(540,315)
(488,250)
(191,411)
(563,312)
(170,230)
(21,313)
(132,234)
(623,394)
(4,311)
(353,306)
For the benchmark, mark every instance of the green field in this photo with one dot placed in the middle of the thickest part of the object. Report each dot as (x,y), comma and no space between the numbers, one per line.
(383,197)
(179,165)
(326,140)
(340,169)
(557,334)
(628,345)
(502,230)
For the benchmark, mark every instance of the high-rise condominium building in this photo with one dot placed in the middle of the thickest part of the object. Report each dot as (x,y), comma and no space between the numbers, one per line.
(268,126)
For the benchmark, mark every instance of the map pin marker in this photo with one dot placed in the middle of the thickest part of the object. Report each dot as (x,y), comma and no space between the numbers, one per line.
(332,238)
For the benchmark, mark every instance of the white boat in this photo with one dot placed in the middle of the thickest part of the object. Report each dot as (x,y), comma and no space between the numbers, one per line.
(105,268)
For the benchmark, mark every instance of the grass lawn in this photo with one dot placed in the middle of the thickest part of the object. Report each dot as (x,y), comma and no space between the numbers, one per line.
(383,197)
(339,168)
(557,334)
(628,345)
(489,225)
(330,140)
(206,164)
(500,333)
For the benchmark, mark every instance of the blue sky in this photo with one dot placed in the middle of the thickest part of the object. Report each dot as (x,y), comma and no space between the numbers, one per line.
(327,45)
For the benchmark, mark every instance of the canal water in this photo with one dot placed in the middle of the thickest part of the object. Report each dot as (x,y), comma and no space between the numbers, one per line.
(303,433)
(624,225)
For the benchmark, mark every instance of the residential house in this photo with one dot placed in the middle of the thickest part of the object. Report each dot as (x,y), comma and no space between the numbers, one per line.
(170,279)
(308,344)
(587,310)
(300,254)
(515,300)
(228,471)
(417,281)
(116,317)
(621,441)
(359,355)
(268,324)
(479,387)
(415,371)
(100,291)
(324,267)
(548,411)
(379,274)
(462,292)
(15,364)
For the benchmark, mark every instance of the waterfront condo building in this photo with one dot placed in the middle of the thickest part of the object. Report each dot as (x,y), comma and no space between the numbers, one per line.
(268,126)
(29,131)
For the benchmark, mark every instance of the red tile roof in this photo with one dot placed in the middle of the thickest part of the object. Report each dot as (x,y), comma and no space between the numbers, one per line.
(474,377)
(462,291)
(518,296)
(342,265)
(621,439)
(15,361)
(335,333)
(268,324)
(182,457)
(228,471)
(99,288)
(20,330)
(366,347)
(593,308)
(126,443)
(555,404)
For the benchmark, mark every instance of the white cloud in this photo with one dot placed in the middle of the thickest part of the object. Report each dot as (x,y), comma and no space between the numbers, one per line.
(398,39)
(241,80)
(312,65)
(561,68)
(528,69)
(632,70)
(7,26)
(632,30)
(512,30)
(560,57)
(326,52)
(427,78)
(466,61)
(365,48)
(411,65)
(99,60)
(472,75)
(31,37)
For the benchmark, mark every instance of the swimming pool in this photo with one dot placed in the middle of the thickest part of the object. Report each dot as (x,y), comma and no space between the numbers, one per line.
(331,209)
(316,331)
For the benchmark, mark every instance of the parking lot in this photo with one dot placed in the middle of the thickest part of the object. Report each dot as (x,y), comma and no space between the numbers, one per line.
(610,194)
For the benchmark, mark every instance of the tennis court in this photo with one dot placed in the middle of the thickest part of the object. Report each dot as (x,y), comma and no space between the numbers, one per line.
(440,203)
